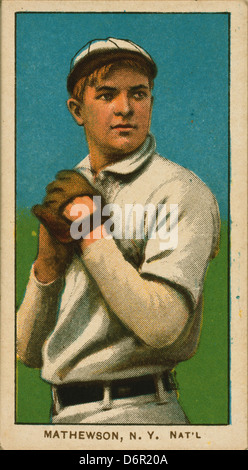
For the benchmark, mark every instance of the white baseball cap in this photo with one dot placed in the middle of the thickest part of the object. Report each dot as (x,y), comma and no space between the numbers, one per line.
(100,52)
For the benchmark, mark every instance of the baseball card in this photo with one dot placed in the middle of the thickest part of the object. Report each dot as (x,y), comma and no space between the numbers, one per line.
(124,226)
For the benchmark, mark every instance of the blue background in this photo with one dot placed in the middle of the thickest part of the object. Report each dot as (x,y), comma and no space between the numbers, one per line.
(190,115)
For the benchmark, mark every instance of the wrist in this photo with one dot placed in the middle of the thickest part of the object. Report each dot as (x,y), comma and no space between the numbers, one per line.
(47,270)
(98,233)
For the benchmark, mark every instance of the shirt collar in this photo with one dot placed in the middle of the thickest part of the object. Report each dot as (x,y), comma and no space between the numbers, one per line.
(129,164)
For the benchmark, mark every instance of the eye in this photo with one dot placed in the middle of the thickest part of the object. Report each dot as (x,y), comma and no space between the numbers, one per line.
(105,96)
(139,95)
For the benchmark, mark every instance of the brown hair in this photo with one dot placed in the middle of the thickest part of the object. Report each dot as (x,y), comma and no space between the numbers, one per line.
(102,72)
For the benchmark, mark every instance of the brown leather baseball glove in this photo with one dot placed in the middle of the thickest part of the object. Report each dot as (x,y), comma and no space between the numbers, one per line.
(68,185)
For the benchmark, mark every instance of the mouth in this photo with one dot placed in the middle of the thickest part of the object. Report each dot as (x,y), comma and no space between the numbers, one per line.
(123,126)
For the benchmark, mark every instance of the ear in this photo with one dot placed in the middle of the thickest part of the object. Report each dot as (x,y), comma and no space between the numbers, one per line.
(75,108)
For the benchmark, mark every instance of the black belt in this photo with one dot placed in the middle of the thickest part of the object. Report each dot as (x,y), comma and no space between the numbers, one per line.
(86,392)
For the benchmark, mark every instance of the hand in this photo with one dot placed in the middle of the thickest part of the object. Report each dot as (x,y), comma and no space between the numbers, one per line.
(86,207)
(68,185)
(53,257)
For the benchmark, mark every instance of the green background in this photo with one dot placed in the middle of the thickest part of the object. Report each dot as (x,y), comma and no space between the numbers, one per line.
(203,380)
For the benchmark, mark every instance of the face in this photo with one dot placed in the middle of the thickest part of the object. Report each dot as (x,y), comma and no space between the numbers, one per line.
(115,112)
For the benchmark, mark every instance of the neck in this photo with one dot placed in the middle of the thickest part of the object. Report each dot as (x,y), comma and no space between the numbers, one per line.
(99,160)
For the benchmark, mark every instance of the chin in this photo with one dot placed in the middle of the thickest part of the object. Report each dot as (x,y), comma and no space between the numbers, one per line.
(122,152)
(126,147)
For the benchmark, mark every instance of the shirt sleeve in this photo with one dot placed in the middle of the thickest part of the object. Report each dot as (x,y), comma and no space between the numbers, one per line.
(192,223)
(154,312)
(36,317)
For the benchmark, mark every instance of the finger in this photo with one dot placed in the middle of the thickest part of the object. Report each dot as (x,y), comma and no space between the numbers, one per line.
(80,207)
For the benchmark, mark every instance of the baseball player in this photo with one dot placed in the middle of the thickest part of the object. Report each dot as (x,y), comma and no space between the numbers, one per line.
(107,316)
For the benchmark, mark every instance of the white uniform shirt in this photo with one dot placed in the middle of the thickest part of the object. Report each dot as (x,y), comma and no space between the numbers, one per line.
(89,342)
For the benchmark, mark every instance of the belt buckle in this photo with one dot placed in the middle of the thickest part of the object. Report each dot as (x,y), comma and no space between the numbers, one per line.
(107,396)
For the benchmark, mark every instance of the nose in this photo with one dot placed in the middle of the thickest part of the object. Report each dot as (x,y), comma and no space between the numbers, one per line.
(123,106)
